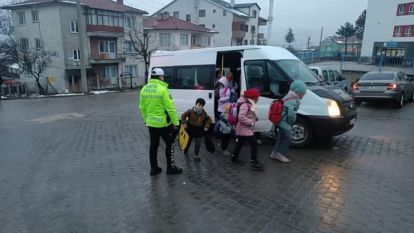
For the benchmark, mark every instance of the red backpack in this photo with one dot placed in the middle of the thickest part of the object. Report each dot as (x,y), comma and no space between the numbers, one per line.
(276,110)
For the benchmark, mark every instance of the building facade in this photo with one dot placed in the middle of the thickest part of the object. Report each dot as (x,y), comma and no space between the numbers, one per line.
(332,46)
(52,25)
(172,34)
(236,24)
(389,29)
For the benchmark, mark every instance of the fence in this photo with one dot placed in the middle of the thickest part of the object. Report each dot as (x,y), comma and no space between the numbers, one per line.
(359,63)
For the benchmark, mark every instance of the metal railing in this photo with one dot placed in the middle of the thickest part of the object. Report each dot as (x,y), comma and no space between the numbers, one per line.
(359,63)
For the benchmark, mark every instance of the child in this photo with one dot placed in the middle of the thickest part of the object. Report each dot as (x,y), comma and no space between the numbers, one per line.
(290,108)
(197,122)
(225,130)
(247,118)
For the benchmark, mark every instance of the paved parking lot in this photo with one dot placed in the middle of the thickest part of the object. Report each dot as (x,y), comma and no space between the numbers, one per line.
(80,164)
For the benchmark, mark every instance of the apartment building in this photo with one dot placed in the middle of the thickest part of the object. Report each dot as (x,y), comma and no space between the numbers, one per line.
(174,34)
(389,29)
(52,25)
(236,24)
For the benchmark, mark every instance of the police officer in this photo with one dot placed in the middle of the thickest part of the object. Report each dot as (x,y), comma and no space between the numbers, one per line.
(160,116)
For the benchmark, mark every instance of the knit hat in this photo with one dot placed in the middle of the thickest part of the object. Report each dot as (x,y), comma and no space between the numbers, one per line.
(298,87)
(252,93)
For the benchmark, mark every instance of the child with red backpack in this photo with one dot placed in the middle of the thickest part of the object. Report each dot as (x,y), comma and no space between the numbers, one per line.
(246,119)
(283,114)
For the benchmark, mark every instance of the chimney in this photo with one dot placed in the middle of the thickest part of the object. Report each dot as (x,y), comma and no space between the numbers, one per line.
(120,2)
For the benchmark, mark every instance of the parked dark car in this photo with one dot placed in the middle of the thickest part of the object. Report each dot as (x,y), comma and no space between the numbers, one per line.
(396,86)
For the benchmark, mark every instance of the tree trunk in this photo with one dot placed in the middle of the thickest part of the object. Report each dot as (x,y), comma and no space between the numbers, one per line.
(39,86)
(346,45)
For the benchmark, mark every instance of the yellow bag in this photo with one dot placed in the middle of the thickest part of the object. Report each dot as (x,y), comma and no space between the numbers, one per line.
(183,138)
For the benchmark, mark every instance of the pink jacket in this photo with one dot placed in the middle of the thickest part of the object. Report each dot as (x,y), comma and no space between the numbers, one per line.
(246,118)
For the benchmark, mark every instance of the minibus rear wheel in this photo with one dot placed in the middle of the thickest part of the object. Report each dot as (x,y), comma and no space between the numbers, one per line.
(301,134)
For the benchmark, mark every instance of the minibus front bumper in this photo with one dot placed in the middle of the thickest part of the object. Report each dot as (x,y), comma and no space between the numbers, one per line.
(332,126)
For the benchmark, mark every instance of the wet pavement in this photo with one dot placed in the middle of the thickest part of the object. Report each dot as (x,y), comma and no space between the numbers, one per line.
(79,164)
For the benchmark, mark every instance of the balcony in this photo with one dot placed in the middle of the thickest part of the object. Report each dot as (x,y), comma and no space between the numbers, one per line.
(239,29)
(106,58)
(104,31)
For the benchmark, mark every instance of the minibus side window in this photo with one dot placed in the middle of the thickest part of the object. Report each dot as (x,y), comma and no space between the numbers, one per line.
(255,75)
(168,75)
(195,77)
(279,86)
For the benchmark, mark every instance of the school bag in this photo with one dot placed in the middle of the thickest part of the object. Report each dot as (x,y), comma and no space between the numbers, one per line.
(233,116)
(276,110)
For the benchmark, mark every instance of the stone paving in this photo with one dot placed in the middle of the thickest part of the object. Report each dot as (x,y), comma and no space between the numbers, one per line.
(80,164)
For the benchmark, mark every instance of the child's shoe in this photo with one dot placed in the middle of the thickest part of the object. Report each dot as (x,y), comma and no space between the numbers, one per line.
(225,153)
(197,158)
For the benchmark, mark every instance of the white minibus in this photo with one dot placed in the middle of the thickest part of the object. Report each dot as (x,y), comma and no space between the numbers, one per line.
(192,74)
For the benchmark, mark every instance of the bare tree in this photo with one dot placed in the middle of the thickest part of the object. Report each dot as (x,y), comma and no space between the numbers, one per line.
(31,61)
(143,45)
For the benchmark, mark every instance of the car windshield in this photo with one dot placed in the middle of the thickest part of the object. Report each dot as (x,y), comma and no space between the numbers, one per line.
(378,76)
(297,71)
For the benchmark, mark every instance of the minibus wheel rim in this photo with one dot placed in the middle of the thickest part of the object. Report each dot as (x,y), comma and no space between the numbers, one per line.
(299,133)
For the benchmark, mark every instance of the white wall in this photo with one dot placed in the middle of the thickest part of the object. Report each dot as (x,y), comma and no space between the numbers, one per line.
(48,29)
(380,22)
(223,24)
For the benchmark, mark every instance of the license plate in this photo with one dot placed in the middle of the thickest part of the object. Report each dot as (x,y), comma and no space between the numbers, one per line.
(352,122)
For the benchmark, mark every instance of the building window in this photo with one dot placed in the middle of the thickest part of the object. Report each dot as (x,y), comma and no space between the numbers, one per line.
(74,27)
(254,15)
(252,42)
(176,14)
(165,39)
(401,9)
(408,30)
(214,11)
(76,54)
(202,25)
(35,16)
(397,31)
(110,72)
(246,42)
(107,47)
(38,44)
(213,26)
(129,22)
(411,10)
(224,13)
(206,41)
(253,30)
(21,17)
(128,47)
(184,39)
(24,43)
(131,69)
(202,13)
(188,18)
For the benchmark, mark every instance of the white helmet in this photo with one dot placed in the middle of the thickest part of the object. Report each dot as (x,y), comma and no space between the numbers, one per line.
(157,72)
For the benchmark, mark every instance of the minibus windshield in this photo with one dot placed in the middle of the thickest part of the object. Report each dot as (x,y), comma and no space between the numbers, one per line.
(297,71)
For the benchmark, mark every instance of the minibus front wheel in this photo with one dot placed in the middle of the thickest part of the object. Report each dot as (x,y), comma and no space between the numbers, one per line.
(301,134)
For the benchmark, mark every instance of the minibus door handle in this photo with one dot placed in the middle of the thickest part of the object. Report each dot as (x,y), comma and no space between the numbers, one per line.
(210,95)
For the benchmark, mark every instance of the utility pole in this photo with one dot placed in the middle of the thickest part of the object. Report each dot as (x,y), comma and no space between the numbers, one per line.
(82,29)
(308,42)
(270,22)
(320,40)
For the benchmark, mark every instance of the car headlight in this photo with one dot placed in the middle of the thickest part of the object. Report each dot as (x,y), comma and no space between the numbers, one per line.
(333,108)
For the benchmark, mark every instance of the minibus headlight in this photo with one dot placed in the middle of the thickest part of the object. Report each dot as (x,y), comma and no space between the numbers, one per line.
(333,108)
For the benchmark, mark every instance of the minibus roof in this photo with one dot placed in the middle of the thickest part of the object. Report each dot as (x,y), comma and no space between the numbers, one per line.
(250,51)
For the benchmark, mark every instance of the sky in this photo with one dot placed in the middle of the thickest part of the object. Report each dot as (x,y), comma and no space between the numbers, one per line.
(305,17)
